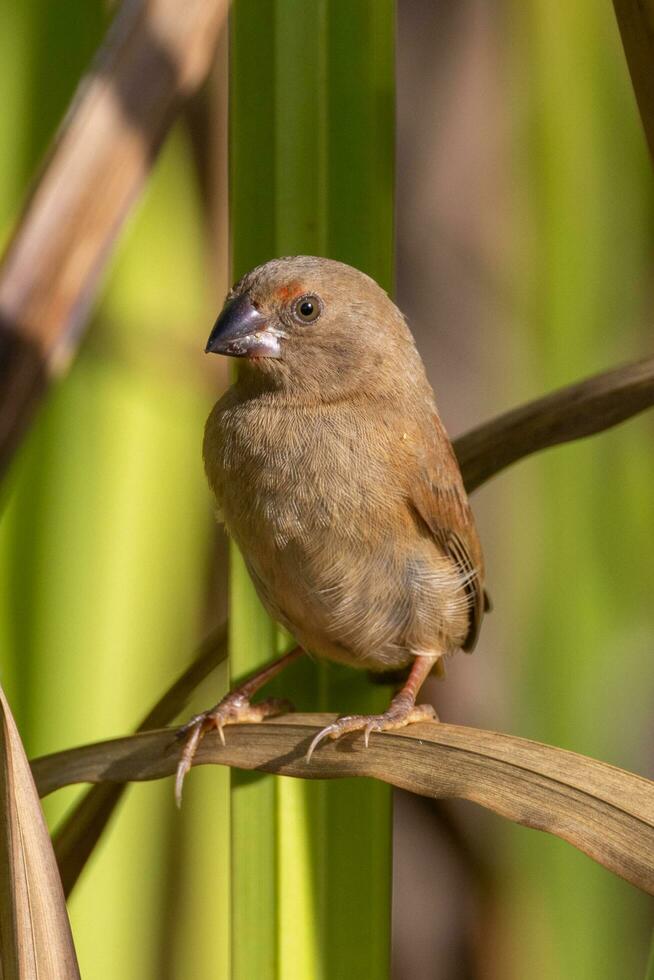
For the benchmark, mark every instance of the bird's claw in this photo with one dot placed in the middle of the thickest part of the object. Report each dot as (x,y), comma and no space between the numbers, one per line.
(331,731)
(396,717)
(232,710)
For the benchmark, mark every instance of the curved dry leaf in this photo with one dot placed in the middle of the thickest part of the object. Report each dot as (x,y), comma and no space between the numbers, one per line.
(154,56)
(35,937)
(602,810)
(579,410)
(635,19)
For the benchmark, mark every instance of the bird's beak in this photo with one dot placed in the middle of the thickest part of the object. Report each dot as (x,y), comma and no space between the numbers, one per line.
(242,331)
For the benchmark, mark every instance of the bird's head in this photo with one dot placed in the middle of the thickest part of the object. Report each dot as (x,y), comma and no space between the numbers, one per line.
(312,324)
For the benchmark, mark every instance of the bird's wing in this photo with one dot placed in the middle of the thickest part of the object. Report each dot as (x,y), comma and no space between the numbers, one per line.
(439,499)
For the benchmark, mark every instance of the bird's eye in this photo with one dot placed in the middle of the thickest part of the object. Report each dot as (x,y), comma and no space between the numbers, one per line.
(307,309)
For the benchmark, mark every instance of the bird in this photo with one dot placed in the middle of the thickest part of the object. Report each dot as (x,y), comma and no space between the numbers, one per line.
(336,479)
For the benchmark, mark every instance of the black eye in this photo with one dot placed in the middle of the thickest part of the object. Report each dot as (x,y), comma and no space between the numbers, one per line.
(308,308)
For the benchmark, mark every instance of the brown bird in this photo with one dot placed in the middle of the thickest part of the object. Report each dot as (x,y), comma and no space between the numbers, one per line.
(338,483)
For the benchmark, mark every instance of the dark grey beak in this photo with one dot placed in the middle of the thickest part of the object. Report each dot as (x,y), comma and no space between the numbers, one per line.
(242,331)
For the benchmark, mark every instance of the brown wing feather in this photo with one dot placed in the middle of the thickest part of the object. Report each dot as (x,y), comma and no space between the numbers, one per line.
(442,504)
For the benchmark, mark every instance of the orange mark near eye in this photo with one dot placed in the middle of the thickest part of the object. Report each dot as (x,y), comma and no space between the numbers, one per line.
(284,293)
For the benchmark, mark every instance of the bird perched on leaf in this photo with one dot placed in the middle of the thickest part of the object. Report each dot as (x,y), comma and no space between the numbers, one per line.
(338,483)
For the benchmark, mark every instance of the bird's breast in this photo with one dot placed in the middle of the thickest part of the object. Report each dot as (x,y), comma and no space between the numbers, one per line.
(287,475)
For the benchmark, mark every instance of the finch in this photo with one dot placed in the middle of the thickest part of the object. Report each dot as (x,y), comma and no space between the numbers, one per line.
(337,481)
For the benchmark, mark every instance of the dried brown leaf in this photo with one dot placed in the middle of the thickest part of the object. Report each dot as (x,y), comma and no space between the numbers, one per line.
(579,410)
(156,53)
(605,812)
(35,937)
(636,22)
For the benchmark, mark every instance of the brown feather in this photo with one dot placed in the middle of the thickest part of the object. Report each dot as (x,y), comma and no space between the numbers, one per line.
(441,502)
(338,482)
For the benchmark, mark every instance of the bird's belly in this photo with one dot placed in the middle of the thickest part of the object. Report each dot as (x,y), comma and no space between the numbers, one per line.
(355,597)
(339,605)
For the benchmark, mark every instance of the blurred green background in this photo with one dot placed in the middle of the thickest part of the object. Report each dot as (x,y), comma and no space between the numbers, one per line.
(524,249)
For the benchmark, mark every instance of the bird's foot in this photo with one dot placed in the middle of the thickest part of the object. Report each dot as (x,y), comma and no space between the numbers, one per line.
(399,714)
(234,709)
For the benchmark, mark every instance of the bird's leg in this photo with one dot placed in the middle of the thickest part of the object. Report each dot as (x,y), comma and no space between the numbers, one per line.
(233,709)
(402,710)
